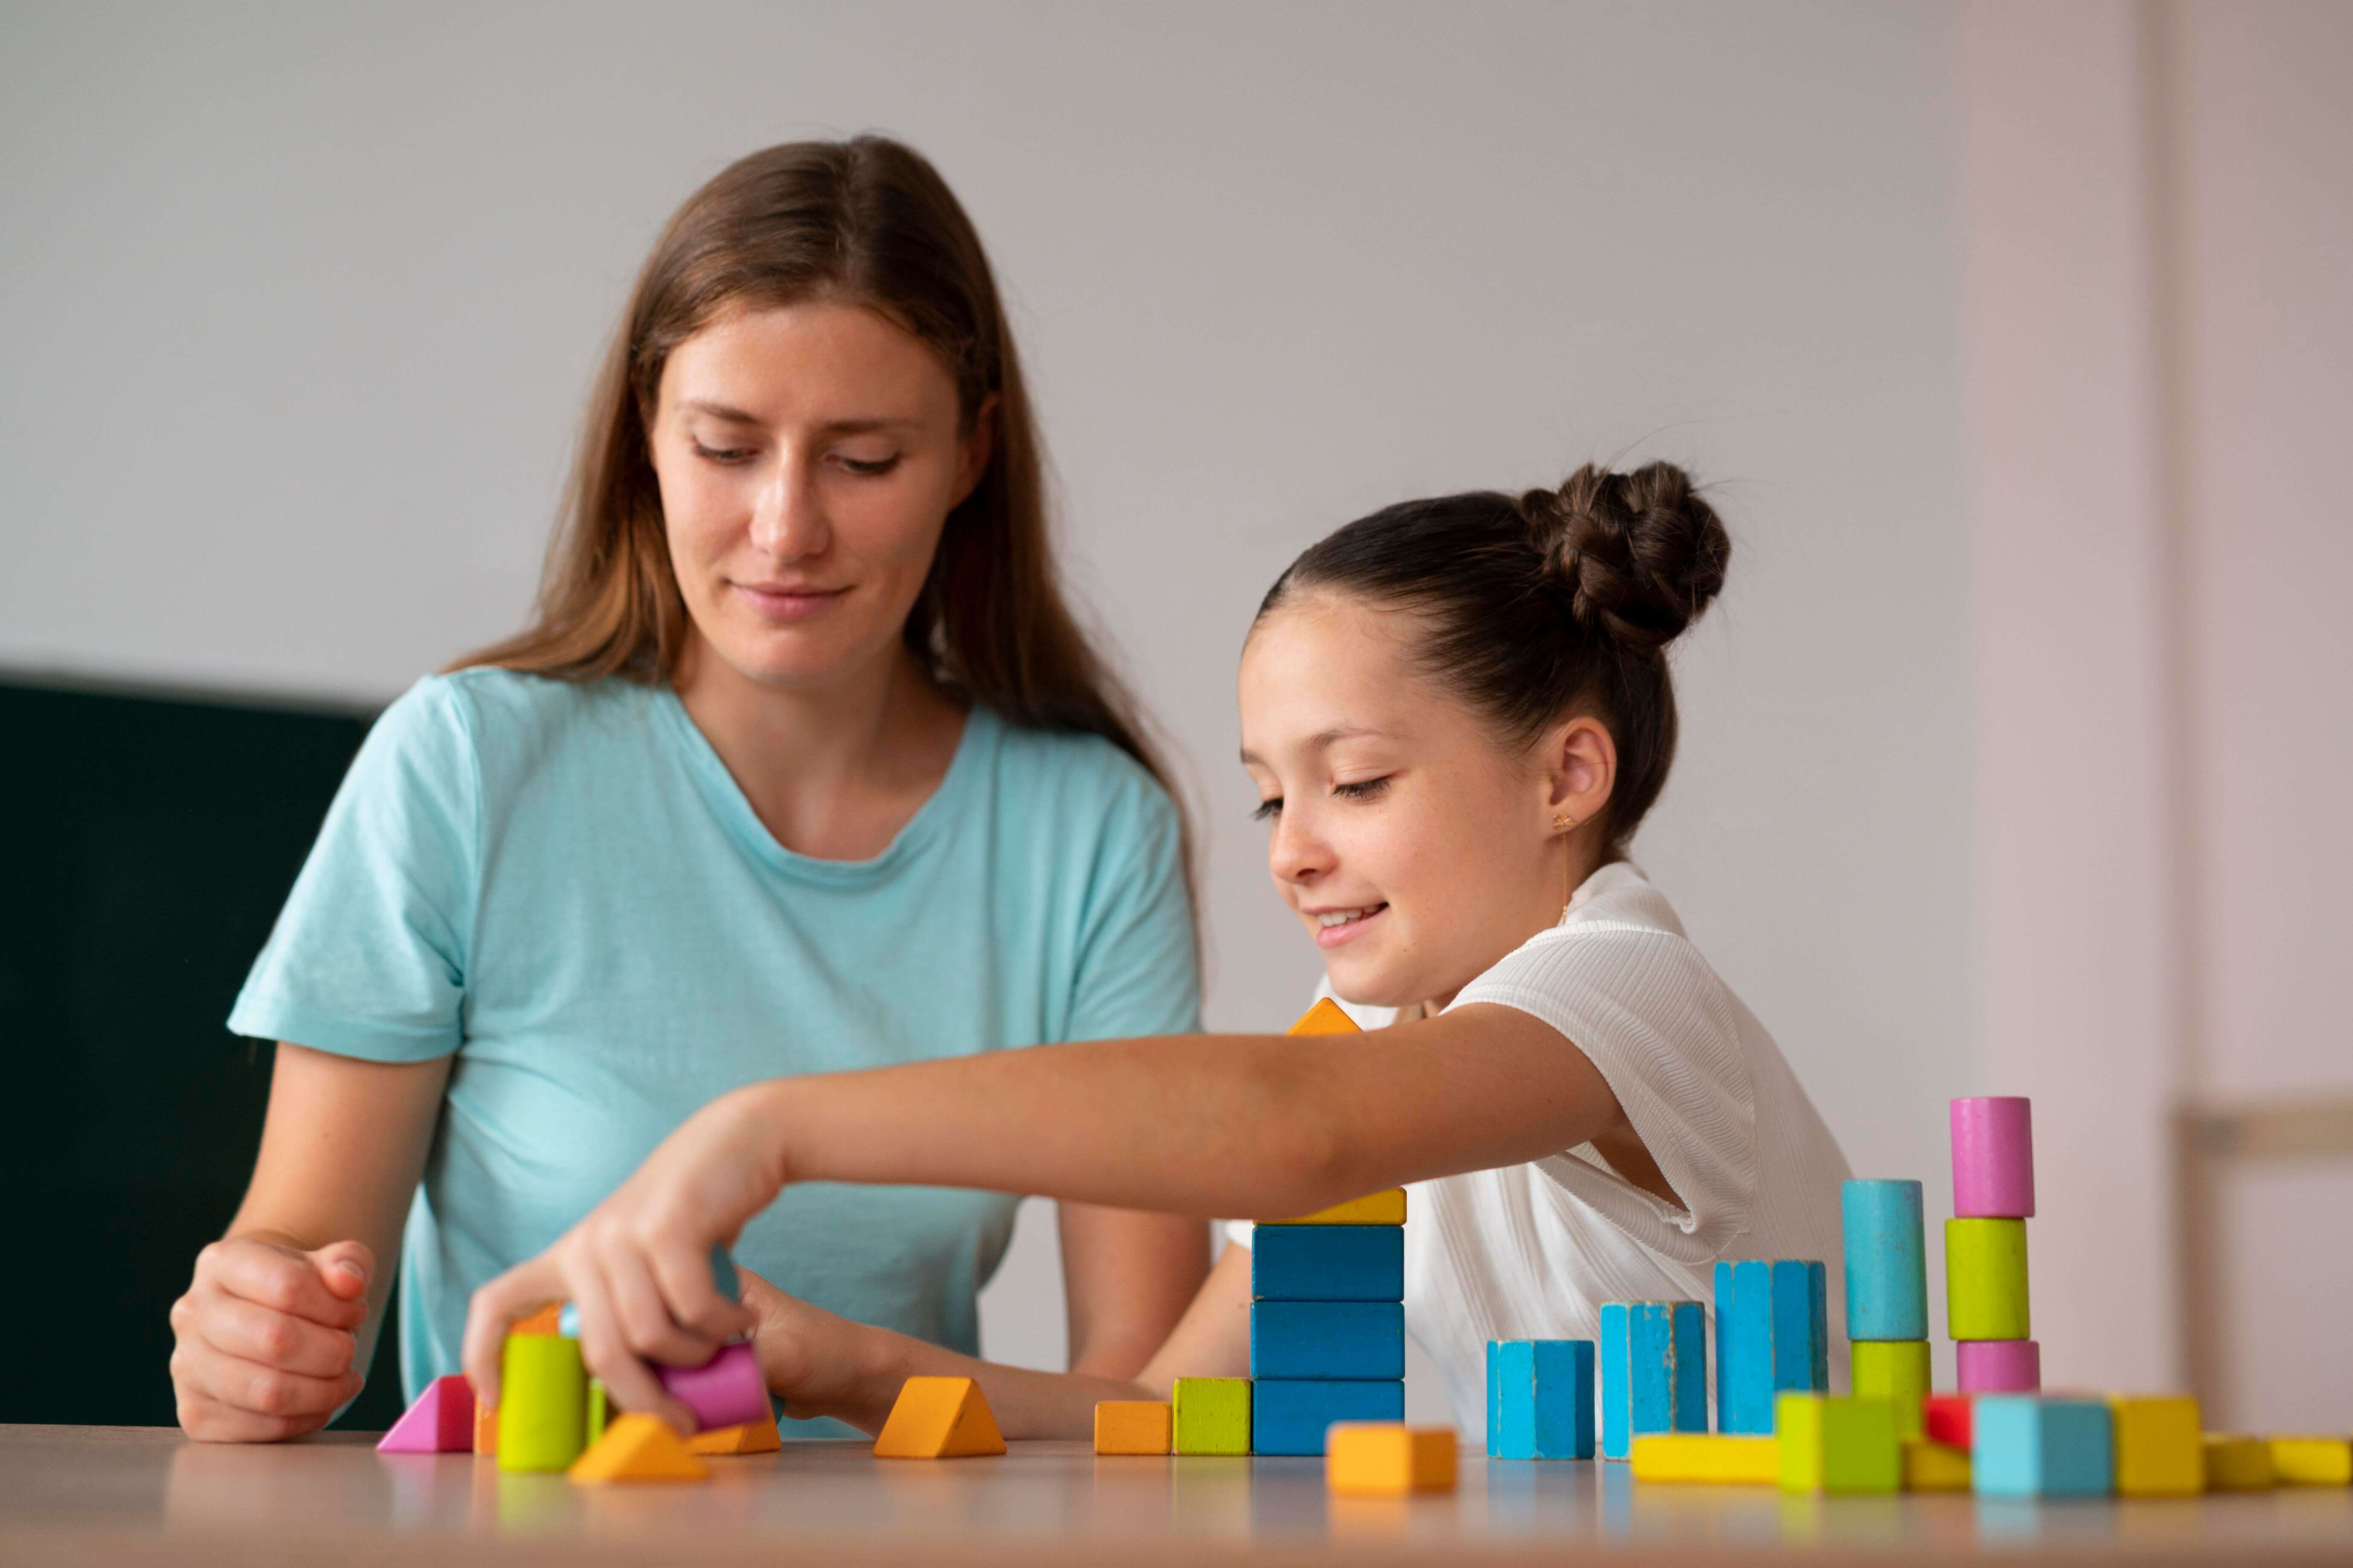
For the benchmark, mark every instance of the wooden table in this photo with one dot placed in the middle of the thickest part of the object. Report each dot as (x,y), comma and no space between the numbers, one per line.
(99,1494)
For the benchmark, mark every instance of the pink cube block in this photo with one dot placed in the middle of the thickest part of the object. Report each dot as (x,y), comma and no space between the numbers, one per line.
(725,1391)
(440,1422)
(1993,1158)
(1999,1366)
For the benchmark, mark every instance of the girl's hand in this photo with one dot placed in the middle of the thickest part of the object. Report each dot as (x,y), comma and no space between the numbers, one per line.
(266,1339)
(818,1362)
(638,1266)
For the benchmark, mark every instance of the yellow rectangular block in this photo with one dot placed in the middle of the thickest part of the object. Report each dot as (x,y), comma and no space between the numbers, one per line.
(1132,1426)
(1374,1208)
(2300,1461)
(939,1418)
(1387,1458)
(1935,1466)
(2159,1448)
(2238,1465)
(1326,1017)
(1708,1458)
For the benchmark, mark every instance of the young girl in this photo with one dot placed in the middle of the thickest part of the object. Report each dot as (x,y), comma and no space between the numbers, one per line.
(1457,712)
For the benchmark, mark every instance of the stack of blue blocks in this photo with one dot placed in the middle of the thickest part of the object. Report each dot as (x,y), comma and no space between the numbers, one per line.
(1327,1332)
(1772,1336)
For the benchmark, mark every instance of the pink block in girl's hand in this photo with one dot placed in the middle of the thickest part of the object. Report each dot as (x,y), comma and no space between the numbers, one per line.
(1993,1158)
(725,1391)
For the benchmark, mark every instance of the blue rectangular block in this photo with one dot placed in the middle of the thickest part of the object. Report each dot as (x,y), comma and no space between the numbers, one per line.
(1289,1416)
(1886,1261)
(1328,1263)
(1772,1336)
(1653,1371)
(1346,1340)
(1540,1399)
(2020,1445)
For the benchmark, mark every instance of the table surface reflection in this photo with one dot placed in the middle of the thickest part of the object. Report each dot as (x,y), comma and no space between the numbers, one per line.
(132,1494)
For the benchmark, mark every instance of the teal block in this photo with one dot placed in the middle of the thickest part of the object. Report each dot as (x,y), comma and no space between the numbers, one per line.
(1653,1371)
(2022,1445)
(1772,1337)
(1886,1261)
(1320,1340)
(1540,1399)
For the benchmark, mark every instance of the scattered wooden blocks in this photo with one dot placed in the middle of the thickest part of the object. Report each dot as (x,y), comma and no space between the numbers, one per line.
(1325,1340)
(544,1416)
(1388,1459)
(1836,1445)
(1328,1263)
(2026,1446)
(748,1438)
(1211,1415)
(1290,1415)
(1772,1336)
(2239,1465)
(1945,1418)
(2159,1448)
(1132,1426)
(2299,1461)
(1707,1458)
(638,1448)
(1935,1466)
(1326,1017)
(1886,1261)
(440,1422)
(1653,1371)
(1374,1208)
(939,1418)
(1895,1370)
(1985,1279)
(1540,1399)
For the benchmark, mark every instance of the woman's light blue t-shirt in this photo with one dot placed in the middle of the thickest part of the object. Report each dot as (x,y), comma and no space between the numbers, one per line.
(561,887)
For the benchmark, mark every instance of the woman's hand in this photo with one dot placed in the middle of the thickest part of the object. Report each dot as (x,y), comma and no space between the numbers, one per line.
(268,1338)
(638,1266)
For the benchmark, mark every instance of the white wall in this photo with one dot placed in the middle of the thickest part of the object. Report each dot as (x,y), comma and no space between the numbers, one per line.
(302,303)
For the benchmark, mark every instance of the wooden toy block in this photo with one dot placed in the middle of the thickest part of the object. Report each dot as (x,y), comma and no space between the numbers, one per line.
(1935,1466)
(1886,1261)
(1374,1208)
(638,1448)
(1836,1445)
(2238,1465)
(1707,1458)
(1327,1340)
(1328,1263)
(1895,1370)
(486,1428)
(728,1390)
(2301,1461)
(1211,1415)
(1945,1418)
(1289,1416)
(1985,1279)
(1772,1336)
(599,1411)
(939,1418)
(1326,1017)
(548,1319)
(2028,1447)
(1993,1159)
(2160,1450)
(1999,1366)
(1653,1371)
(1132,1426)
(1540,1399)
(748,1438)
(544,1409)
(1389,1458)
(440,1422)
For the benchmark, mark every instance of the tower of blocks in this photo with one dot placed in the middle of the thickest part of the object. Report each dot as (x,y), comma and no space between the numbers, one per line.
(1985,1246)
(1887,1297)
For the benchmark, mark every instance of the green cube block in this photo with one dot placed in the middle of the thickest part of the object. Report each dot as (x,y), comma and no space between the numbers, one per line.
(1212,1416)
(1830,1445)
(1896,1370)
(542,1403)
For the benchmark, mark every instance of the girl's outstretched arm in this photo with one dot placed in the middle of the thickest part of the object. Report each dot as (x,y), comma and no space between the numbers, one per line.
(1254,1126)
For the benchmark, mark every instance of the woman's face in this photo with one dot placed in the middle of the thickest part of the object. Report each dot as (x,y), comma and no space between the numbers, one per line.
(809,457)
(1415,850)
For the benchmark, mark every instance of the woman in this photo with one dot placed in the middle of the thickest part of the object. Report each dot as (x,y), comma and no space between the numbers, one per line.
(804,766)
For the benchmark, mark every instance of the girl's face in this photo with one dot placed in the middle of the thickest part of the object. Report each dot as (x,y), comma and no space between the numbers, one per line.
(1415,849)
(809,457)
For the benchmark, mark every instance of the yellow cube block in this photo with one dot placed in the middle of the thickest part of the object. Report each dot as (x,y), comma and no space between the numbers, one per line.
(2239,1465)
(2159,1448)
(2313,1461)
(1829,1444)
(1935,1466)
(1132,1426)
(1895,1370)
(1707,1458)
(1387,1458)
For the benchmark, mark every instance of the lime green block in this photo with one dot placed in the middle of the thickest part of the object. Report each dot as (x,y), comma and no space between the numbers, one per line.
(598,1412)
(1212,1416)
(542,1403)
(1892,1370)
(1837,1445)
(1985,1279)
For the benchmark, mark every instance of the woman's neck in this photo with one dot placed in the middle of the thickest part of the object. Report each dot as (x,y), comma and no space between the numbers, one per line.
(833,772)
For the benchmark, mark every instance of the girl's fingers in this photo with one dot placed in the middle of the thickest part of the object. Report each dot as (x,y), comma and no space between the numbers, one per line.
(517,1293)
(691,1299)
(645,1319)
(629,1382)
(258,1390)
(241,1329)
(279,1279)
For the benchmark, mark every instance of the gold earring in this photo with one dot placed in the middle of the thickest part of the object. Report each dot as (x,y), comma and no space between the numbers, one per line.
(1562,823)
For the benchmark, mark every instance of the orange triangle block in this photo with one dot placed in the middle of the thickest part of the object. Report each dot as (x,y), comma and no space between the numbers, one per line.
(638,1448)
(939,1418)
(1325,1018)
(751,1438)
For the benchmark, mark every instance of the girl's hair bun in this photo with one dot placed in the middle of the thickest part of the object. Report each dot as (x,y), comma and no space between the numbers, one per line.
(1640,554)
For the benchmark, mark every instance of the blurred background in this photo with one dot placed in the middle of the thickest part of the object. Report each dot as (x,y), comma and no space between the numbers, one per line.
(2015,340)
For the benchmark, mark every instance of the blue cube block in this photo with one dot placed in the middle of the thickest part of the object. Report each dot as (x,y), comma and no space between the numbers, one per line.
(1328,1263)
(1653,1371)
(1886,1261)
(1772,1336)
(2020,1445)
(1289,1416)
(1540,1399)
(1346,1340)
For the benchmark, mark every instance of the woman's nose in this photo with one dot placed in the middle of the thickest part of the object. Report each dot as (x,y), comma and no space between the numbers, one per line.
(788,517)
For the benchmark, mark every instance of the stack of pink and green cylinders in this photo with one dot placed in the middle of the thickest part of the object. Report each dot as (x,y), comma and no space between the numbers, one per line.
(1985,1246)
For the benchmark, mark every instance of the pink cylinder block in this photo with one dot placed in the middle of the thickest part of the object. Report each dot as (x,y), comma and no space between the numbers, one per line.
(725,1391)
(1993,1158)
(1999,1366)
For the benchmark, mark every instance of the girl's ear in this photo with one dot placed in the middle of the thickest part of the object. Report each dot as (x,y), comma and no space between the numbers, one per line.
(1581,768)
(979,445)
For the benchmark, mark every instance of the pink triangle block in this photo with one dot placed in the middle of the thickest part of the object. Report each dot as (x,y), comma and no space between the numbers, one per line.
(440,1422)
